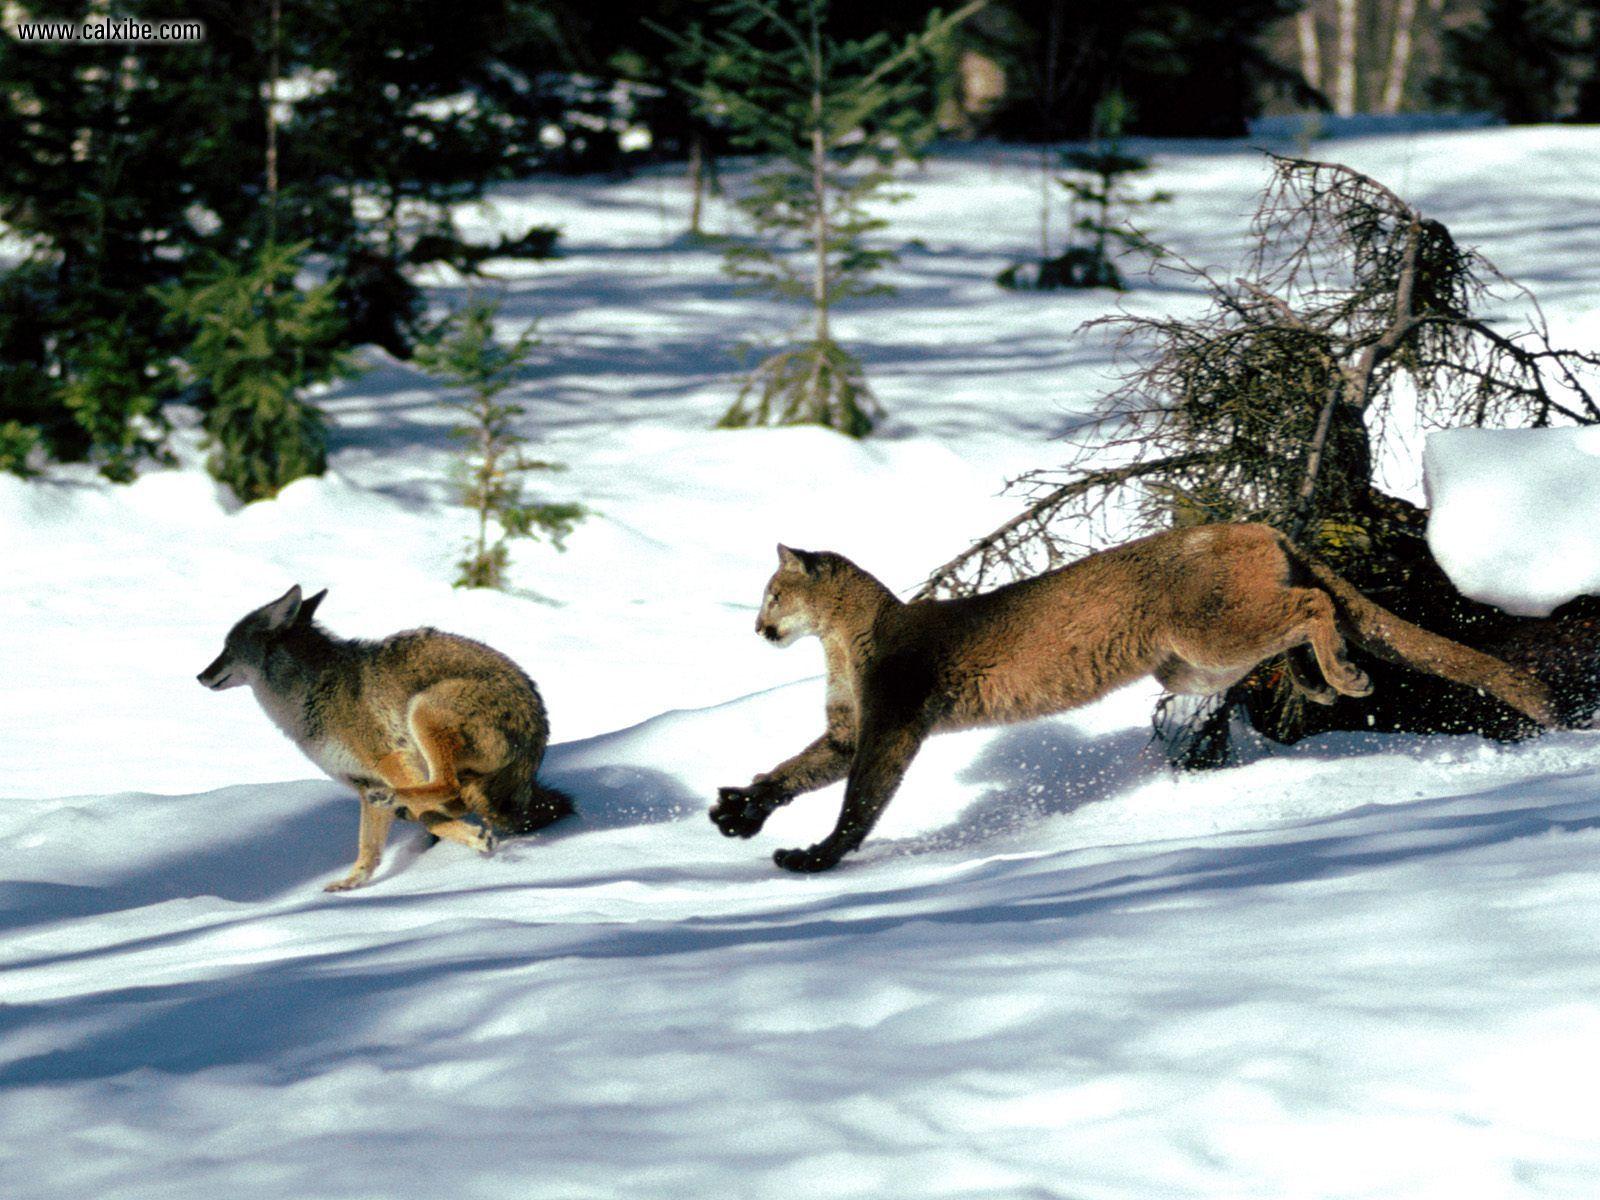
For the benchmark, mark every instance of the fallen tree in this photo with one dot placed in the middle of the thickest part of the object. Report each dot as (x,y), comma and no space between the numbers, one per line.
(1356,314)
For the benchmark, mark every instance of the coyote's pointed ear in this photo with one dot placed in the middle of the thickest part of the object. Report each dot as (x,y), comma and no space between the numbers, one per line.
(308,607)
(280,614)
(793,560)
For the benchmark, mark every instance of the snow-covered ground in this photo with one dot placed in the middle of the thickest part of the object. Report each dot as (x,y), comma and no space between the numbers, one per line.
(1364,967)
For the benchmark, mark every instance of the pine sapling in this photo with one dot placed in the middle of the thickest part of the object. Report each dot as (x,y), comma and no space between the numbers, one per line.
(834,117)
(1102,205)
(1098,183)
(466,354)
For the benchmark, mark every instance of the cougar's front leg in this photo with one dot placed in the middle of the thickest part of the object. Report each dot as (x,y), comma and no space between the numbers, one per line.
(881,759)
(375,822)
(741,812)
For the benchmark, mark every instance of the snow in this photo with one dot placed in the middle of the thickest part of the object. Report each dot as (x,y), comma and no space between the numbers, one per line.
(1360,967)
(1515,512)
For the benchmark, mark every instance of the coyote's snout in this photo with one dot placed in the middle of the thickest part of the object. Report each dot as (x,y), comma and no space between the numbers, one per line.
(220,675)
(1199,608)
(424,725)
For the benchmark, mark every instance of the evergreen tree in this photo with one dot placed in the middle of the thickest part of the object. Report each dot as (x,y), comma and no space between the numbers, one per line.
(1525,60)
(1098,183)
(113,392)
(128,165)
(1191,68)
(257,341)
(466,354)
(400,112)
(835,116)
(109,150)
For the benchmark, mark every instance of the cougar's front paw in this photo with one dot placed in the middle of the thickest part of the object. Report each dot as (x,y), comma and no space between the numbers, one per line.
(820,857)
(741,812)
(380,797)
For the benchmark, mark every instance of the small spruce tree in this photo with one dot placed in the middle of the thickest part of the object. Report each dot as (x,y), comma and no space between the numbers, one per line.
(258,341)
(112,384)
(834,116)
(1102,205)
(466,354)
(1098,183)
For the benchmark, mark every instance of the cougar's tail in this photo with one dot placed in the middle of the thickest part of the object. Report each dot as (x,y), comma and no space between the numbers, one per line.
(1378,631)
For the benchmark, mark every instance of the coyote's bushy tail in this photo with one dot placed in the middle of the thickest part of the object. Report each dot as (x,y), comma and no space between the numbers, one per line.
(519,803)
(541,805)
(1394,639)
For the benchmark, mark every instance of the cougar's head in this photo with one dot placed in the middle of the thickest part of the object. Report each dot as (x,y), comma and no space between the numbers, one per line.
(788,609)
(244,652)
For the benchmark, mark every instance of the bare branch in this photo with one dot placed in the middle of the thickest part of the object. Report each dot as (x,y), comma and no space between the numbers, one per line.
(1039,512)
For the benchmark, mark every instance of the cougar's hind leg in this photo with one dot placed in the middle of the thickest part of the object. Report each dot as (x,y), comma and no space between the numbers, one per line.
(1321,628)
(1307,676)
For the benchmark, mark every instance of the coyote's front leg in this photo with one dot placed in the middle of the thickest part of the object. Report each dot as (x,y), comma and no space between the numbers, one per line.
(741,812)
(375,822)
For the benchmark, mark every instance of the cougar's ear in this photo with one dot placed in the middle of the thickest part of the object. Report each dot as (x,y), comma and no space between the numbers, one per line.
(280,614)
(308,608)
(797,561)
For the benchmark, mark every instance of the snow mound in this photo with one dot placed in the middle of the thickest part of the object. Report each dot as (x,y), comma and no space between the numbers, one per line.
(1515,518)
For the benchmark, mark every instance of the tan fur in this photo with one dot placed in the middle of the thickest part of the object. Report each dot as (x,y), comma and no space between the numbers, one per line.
(1199,608)
(424,725)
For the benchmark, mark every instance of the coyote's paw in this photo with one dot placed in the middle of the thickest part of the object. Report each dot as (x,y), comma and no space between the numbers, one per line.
(487,841)
(741,812)
(353,880)
(820,857)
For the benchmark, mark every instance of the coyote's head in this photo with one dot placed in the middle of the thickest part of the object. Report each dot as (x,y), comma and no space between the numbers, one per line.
(244,653)
(792,605)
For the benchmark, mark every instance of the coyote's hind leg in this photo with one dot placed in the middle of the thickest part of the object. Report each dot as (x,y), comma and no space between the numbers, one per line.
(438,739)
(476,837)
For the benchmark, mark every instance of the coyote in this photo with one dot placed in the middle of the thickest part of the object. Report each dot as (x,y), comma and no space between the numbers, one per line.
(424,725)
(1197,607)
